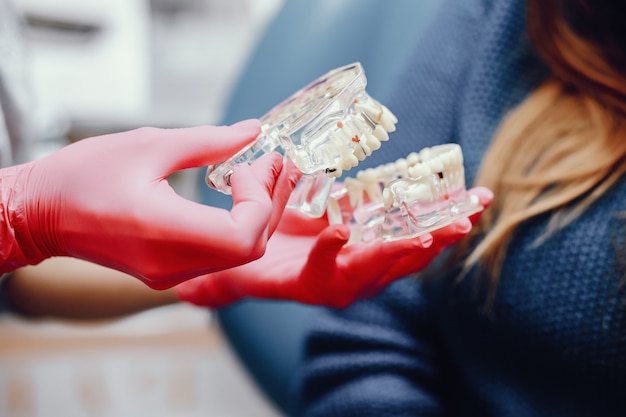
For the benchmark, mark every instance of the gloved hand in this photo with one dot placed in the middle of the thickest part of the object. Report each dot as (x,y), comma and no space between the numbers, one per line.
(311,265)
(107,200)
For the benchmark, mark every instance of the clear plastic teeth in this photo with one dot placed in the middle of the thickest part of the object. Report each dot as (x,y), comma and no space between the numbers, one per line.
(325,128)
(415,195)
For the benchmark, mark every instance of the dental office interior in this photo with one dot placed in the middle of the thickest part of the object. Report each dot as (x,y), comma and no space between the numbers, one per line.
(97,67)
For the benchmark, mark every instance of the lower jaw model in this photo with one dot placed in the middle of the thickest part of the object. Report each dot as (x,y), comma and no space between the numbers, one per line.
(403,199)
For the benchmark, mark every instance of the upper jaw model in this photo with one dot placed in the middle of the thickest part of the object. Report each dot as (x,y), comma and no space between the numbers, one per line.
(410,197)
(325,128)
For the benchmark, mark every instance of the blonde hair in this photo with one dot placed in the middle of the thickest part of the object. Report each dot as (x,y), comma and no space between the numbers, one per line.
(562,148)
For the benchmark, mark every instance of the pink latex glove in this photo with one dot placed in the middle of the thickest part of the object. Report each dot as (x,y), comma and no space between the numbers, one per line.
(107,200)
(306,261)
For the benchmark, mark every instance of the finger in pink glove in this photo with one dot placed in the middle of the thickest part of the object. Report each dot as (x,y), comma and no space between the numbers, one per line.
(107,200)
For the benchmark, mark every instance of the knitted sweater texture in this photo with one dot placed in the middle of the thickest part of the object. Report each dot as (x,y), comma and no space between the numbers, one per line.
(554,343)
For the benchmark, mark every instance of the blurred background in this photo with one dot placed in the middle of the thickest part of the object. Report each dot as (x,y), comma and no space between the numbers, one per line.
(98,67)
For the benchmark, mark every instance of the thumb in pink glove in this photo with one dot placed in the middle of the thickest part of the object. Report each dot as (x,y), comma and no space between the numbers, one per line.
(107,200)
(320,269)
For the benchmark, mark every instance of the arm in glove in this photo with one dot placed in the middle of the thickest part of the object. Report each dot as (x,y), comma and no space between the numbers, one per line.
(107,200)
(311,266)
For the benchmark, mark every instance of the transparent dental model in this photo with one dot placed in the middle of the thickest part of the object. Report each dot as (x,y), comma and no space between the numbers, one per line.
(410,197)
(325,128)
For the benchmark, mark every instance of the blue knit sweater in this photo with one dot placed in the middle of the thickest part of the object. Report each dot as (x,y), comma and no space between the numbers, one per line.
(555,342)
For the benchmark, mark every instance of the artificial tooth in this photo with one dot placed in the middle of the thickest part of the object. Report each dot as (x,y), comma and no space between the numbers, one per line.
(389,170)
(419,170)
(413,158)
(402,167)
(435,164)
(387,120)
(426,154)
(447,159)
(389,114)
(418,192)
(334,172)
(369,178)
(381,133)
(359,152)
(355,191)
(387,198)
(369,109)
(333,211)
(348,161)
(372,141)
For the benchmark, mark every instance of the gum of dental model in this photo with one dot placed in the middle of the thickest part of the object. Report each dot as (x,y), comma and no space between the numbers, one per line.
(326,128)
(414,195)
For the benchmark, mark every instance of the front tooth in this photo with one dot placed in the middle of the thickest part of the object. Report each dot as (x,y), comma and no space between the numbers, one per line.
(355,191)
(369,178)
(359,152)
(387,198)
(389,171)
(333,211)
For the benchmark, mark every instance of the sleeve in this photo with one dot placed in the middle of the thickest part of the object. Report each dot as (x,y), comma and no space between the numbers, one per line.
(381,357)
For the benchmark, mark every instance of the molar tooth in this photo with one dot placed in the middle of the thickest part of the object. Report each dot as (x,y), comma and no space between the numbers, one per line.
(381,133)
(435,164)
(402,167)
(387,120)
(418,192)
(347,159)
(458,155)
(413,158)
(377,130)
(370,109)
(426,154)
(419,170)
(389,114)
(372,141)
(447,159)
(334,172)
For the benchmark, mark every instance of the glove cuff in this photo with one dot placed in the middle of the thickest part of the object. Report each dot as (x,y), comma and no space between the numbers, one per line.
(17,247)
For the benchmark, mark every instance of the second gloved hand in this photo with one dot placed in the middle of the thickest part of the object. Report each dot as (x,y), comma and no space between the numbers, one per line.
(107,200)
(307,261)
